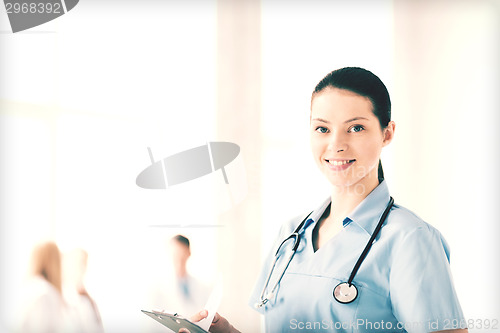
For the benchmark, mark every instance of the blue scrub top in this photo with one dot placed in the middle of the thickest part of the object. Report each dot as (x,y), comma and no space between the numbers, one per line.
(404,284)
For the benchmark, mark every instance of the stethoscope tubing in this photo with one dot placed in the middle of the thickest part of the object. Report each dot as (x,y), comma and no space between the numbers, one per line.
(264,298)
(290,257)
(370,242)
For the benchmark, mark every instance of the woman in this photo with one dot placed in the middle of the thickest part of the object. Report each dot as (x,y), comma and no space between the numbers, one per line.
(44,308)
(404,282)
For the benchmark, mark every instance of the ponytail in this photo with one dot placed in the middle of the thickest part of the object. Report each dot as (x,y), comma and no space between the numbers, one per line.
(380,172)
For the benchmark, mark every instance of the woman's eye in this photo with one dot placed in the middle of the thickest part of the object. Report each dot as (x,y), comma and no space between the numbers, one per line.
(321,129)
(356,128)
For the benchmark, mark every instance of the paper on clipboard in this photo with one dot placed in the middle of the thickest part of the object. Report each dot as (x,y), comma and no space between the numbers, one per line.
(212,305)
(176,322)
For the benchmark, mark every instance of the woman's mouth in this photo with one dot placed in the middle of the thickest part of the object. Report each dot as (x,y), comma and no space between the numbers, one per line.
(339,165)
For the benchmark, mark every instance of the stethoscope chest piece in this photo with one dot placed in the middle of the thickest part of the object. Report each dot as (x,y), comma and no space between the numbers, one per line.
(345,292)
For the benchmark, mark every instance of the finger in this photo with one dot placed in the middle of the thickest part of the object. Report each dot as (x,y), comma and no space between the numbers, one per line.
(199,316)
(184,330)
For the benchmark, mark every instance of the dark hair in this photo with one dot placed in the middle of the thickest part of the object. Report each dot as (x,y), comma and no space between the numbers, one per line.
(366,84)
(181,239)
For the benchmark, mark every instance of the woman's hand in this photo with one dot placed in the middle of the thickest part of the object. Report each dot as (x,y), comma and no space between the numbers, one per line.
(219,323)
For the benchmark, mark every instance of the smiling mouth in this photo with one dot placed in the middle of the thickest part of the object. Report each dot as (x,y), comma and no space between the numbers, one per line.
(339,162)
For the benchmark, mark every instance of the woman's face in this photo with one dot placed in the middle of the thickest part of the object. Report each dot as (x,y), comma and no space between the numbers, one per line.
(346,138)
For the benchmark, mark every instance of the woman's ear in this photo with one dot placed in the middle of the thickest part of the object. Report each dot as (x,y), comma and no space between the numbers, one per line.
(388,133)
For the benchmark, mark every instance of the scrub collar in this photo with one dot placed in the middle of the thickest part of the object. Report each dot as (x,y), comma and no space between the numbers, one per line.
(365,215)
(369,211)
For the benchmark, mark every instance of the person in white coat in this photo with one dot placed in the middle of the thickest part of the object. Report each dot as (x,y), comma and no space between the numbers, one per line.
(44,309)
(83,306)
(176,291)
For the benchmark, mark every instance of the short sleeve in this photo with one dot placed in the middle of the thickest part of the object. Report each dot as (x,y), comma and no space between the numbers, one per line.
(421,286)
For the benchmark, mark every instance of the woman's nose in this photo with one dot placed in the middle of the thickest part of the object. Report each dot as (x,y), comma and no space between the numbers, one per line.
(338,142)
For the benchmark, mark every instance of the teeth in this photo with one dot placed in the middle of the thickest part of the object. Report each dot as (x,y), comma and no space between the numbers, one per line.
(338,162)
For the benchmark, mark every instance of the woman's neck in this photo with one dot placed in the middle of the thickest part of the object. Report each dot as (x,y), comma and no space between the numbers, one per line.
(346,198)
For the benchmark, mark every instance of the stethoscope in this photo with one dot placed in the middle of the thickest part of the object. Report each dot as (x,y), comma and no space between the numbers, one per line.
(344,292)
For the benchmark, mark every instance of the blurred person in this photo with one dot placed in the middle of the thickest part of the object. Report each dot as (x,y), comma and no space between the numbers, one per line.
(179,292)
(82,305)
(192,293)
(358,262)
(44,309)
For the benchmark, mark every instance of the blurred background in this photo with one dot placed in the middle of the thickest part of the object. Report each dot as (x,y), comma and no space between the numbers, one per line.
(83,96)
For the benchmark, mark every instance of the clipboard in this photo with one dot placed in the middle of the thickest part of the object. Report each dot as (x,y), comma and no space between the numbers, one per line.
(174,321)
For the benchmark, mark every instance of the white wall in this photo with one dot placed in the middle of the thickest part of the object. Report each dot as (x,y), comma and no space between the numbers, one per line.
(82,98)
(446,149)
